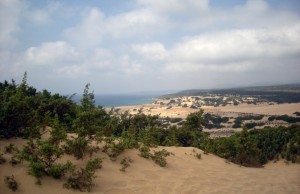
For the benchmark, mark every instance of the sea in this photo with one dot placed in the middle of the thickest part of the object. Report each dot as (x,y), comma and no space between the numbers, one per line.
(115,100)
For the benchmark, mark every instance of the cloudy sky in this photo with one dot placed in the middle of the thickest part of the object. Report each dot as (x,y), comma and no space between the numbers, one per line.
(123,46)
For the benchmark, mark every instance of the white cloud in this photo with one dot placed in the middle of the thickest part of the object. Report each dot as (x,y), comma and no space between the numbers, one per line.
(10,11)
(237,46)
(167,39)
(73,70)
(51,53)
(90,30)
(136,22)
(151,51)
(39,17)
(175,6)
(238,50)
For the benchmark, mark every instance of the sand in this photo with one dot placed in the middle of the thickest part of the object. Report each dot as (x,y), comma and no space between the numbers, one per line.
(184,173)
(180,112)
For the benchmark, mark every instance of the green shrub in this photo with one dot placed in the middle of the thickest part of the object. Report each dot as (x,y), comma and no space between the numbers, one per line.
(59,170)
(82,179)
(197,155)
(42,157)
(94,164)
(125,162)
(145,152)
(76,147)
(11,182)
(159,157)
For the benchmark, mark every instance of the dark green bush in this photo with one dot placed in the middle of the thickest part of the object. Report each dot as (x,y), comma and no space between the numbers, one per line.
(125,162)
(145,152)
(82,179)
(159,157)
(11,182)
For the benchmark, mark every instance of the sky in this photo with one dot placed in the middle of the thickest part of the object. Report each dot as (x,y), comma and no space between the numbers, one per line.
(125,46)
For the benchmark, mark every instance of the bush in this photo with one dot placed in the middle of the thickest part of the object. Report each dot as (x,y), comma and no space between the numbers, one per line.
(11,182)
(42,157)
(256,147)
(125,162)
(197,155)
(145,152)
(82,179)
(159,157)
(76,147)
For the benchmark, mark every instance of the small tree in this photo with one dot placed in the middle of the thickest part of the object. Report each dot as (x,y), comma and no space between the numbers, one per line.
(195,120)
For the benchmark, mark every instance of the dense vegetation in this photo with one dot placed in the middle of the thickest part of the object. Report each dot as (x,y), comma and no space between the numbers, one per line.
(25,112)
(256,147)
(214,121)
(285,118)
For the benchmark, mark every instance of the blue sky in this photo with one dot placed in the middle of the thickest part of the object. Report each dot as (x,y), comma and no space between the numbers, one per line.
(124,46)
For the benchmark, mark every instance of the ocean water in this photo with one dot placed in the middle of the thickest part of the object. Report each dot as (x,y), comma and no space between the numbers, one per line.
(115,100)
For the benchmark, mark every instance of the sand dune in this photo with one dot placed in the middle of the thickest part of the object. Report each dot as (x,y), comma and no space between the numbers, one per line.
(266,109)
(184,173)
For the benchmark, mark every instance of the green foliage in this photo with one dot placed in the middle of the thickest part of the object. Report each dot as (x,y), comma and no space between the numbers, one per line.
(159,157)
(94,164)
(213,121)
(285,118)
(125,162)
(11,182)
(145,152)
(42,157)
(82,179)
(24,111)
(87,101)
(197,155)
(256,147)
(195,120)
(58,132)
(114,147)
(77,147)
(252,125)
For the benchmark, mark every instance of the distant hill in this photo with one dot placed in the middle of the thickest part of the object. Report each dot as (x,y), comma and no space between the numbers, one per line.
(280,93)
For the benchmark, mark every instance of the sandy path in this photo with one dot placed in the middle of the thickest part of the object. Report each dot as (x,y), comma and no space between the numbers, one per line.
(184,173)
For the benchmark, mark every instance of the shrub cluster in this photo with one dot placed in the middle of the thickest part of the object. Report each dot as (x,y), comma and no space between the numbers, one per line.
(159,157)
(256,147)
(285,118)
(11,182)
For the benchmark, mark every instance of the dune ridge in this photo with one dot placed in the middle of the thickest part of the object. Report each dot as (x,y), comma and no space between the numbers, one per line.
(184,173)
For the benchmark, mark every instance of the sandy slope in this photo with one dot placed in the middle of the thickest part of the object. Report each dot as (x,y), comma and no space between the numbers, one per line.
(266,109)
(184,173)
